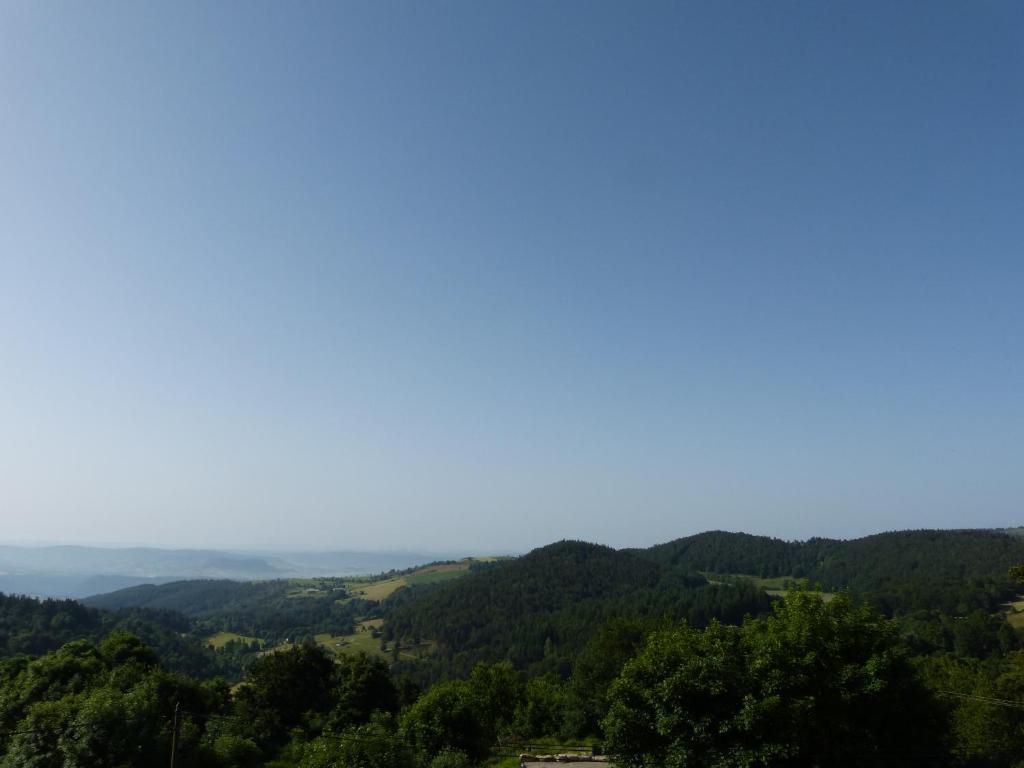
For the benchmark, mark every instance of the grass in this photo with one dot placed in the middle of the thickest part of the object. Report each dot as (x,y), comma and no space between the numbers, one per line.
(376,590)
(381,589)
(362,640)
(776,586)
(368,588)
(1015,614)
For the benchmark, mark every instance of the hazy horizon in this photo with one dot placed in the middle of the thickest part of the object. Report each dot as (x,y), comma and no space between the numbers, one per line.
(451,553)
(483,276)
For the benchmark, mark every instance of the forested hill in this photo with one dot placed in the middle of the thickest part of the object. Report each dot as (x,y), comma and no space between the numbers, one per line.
(267,609)
(540,609)
(31,627)
(952,571)
(195,598)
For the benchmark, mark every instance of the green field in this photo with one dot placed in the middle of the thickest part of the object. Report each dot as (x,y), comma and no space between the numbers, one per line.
(380,589)
(776,586)
(366,588)
(363,641)
(375,590)
(1015,614)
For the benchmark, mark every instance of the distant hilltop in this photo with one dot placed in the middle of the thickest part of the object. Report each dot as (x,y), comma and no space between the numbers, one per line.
(79,571)
(82,571)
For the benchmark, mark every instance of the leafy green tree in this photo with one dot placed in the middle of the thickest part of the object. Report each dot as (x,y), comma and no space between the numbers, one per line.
(38,742)
(113,727)
(596,668)
(815,684)
(446,717)
(451,758)
(372,745)
(541,711)
(363,686)
(496,689)
(120,648)
(92,707)
(1017,574)
(287,689)
(983,730)
(235,751)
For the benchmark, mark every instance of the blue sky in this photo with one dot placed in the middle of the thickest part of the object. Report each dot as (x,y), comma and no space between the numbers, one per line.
(484,275)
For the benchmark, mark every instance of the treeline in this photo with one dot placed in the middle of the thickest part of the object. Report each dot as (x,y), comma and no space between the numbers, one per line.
(812,683)
(266,609)
(30,627)
(955,572)
(539,611)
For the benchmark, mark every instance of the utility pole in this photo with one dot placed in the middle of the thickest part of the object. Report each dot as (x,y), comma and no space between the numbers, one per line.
(174,734)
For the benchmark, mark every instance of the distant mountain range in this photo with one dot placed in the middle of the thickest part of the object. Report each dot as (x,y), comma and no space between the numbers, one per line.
(79,571)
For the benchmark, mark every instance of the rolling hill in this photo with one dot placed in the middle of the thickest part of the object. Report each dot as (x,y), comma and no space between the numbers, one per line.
(948,570)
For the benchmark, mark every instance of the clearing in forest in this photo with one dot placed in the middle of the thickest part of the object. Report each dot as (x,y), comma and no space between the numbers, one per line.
(776,586)
(380,589)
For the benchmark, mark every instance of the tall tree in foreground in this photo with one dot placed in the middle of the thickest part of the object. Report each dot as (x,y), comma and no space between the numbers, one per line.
(815,684)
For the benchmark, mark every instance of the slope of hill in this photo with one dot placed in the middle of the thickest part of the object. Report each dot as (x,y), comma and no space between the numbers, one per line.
(78,571)
(32,627)
(271,610)
(725,552)
(538,610)
(542,608)
(954,570)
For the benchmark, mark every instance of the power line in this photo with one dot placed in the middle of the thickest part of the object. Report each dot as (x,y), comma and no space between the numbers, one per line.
(987,699)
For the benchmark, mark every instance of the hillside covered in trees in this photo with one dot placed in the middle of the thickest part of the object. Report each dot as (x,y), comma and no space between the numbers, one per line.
(953,571)
(30,627)
(812,683)
(273,610)
(539,610)
(569,643)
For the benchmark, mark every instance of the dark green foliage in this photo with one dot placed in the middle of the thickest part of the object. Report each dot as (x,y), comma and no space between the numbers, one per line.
(814,684)
(304,691)
(594,670)
(540,610)
(724,552)
(543,708)
(93,707)
(287,690)
(811,684)
(262,609)
(951,571)
(464,716)
(445,717)
(985,729)
(451,758)
(363,687)
(367,746)
(978,634)
(32,627)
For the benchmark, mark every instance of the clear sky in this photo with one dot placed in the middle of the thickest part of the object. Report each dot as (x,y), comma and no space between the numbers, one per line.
(478,275)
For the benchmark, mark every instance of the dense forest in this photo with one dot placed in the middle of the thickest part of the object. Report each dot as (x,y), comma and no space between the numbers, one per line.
(30,627)
(275,610)
(539,610)
(671,656)
(951,571)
